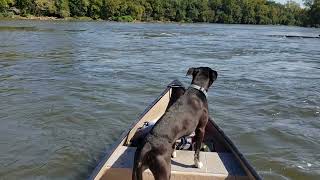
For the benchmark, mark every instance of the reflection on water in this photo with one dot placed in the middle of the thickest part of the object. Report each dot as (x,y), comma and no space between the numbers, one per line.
(68,90)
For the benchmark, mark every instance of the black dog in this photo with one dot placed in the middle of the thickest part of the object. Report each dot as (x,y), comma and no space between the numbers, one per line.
(188,114)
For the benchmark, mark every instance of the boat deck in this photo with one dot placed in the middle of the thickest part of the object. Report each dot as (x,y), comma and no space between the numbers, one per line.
(216,166)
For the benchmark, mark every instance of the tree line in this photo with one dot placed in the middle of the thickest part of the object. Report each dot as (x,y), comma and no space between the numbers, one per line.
(211,11)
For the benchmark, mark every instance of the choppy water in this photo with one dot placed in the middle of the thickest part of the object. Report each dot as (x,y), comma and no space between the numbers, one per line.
(68,90)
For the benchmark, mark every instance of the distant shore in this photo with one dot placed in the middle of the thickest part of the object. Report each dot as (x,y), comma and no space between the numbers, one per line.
(262,12)
(47,18)
(84,18)
(52,18)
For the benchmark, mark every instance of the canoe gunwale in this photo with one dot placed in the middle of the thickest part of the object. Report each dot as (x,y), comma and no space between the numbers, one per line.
(108,153)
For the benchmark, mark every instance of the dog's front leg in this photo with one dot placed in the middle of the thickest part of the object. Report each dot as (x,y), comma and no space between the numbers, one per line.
(199,137)
(174,153)
(200,130)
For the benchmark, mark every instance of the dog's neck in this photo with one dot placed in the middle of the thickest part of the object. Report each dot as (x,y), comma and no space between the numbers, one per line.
(202,89)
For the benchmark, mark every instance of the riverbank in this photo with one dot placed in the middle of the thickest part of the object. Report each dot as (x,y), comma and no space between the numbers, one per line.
(51,18)
(47,18)
(117,19)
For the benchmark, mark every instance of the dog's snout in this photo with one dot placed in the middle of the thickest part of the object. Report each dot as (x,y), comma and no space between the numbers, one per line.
(191,71)
(213,74)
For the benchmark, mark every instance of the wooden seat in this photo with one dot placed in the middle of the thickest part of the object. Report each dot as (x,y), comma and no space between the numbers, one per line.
(216,166)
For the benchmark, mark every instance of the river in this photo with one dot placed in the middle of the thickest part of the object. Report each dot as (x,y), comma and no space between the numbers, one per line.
(68,90)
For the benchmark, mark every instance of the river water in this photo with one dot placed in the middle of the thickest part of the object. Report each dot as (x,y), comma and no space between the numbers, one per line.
(68,90)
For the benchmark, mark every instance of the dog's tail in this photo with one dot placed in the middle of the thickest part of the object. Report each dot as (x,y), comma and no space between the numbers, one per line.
(139,164)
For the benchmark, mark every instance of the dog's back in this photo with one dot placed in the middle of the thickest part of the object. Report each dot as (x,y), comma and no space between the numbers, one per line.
(180,117)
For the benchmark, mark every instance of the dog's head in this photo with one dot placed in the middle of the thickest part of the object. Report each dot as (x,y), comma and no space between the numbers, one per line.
(203,76)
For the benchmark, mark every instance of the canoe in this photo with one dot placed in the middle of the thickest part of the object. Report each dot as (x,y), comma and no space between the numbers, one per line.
(222,161)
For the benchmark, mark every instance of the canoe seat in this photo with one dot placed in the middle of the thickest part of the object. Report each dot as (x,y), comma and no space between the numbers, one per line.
(216,166)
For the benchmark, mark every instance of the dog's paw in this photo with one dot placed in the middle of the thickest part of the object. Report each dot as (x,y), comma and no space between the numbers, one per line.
(198,164)
(174,154)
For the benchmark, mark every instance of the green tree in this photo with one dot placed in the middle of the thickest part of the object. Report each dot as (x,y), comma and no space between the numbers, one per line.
(110,9)
(63,8)
(26,6)
(180,7)
(206,14)
(94,9)
(262,13)
(5,4)
(248,12)
(135,10)
(314,13)
(79,7)
(45,7)
(192,11)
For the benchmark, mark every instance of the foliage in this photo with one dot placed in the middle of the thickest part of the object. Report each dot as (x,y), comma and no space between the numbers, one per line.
(45,7)
(123,19)
(212,11)
(63,9)
(313,13)
(5,4)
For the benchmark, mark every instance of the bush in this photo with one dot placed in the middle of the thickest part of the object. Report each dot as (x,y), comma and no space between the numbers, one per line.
(6,14)
(124,19)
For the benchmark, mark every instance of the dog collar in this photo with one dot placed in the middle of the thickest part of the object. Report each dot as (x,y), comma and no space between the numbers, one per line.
(200,89)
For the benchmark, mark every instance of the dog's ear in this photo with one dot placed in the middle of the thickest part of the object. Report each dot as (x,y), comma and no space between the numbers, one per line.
(213,75)
(191,71)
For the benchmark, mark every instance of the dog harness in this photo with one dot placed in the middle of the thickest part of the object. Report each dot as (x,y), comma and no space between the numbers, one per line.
(200,89)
